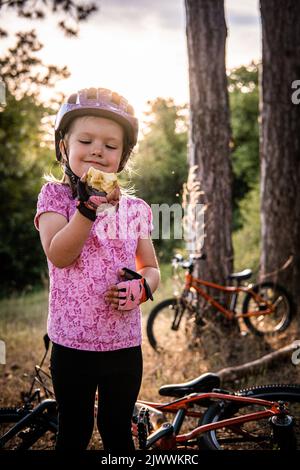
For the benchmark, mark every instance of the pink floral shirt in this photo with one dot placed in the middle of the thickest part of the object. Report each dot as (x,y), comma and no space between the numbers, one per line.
(78,315)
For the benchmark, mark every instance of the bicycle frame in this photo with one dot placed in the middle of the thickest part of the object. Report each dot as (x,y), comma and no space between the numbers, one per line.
(167,437)
(194,282)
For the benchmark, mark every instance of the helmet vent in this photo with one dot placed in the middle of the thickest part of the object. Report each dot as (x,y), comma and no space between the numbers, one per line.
(91,94)
(116,98)
(73,98)
(130,110)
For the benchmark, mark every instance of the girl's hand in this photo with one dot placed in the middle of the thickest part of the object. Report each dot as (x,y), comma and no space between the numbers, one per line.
(114,196)
(128,294)
(111,296)
(89,204)
(90,201)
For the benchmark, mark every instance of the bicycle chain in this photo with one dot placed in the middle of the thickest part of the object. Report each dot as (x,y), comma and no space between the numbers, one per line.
(143,427)
(9,409)
(264,386)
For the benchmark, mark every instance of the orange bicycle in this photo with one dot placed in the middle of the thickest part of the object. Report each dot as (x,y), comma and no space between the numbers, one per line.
(267,307)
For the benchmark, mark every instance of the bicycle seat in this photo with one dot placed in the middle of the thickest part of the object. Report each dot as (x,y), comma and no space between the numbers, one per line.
(205,383)
(242,275)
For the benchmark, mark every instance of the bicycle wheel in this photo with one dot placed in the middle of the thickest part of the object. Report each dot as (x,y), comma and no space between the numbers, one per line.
(167,326)
(36,436)
(254,435)
(277,321)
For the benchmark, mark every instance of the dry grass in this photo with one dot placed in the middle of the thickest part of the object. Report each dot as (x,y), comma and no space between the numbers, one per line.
(23,323)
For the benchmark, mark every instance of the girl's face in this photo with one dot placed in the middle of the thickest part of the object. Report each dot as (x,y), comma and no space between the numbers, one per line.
(95,141)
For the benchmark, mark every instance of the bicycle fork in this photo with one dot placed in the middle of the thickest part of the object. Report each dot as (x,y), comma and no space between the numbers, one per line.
(178,313)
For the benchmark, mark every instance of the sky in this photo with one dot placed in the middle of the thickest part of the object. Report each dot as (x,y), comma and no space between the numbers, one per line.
(137,47)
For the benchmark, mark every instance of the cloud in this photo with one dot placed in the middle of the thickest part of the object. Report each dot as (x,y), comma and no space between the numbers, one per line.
(240,19)
(242,14)
(168,14)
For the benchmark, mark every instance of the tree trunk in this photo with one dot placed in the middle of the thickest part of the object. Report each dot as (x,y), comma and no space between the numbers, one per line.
(280,142)
(210,131)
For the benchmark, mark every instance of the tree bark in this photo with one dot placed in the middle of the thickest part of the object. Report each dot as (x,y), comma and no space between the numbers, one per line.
(210,130)
(280,142)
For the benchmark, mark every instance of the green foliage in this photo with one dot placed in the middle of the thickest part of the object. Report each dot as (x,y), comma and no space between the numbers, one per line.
(246,240)
(244,99)
(161,161)
(244,78)
(24,157)
(21,166)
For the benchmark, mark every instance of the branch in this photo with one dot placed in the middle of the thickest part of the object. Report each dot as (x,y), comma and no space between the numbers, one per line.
(73,12)
(229,374)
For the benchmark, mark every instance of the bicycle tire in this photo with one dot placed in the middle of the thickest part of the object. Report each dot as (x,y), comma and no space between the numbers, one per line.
(275,322)
(159,326)
(223,439)
(8,418)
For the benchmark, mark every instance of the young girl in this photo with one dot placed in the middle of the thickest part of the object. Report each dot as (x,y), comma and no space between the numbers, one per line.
(94,313)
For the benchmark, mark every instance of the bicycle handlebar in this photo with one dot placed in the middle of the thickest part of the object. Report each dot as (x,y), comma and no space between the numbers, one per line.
(178,260)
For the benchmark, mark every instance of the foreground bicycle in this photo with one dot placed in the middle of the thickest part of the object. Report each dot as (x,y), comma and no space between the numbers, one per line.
(206,417)
(267,307)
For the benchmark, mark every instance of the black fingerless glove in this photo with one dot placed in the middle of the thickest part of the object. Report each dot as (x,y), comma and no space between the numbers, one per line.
(85,208)
(130,274)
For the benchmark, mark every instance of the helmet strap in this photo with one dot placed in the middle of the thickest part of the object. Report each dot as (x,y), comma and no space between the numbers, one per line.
(74,178)
(69,172)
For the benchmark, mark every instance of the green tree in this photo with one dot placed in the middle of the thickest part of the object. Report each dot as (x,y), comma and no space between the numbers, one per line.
(249,234)
(161,161)
(24,156)
(21,167)
(244,97)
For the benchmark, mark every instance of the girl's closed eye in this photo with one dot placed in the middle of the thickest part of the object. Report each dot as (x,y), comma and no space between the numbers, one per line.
(110,147)
(85,141)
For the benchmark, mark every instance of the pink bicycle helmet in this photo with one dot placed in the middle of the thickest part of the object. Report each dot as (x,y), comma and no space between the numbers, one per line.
(96,102)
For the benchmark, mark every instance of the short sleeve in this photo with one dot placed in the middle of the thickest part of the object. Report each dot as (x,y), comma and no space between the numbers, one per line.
(53,197)
(146,220)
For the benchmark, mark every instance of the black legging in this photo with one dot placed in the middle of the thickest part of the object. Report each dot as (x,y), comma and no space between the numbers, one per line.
(76,374)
